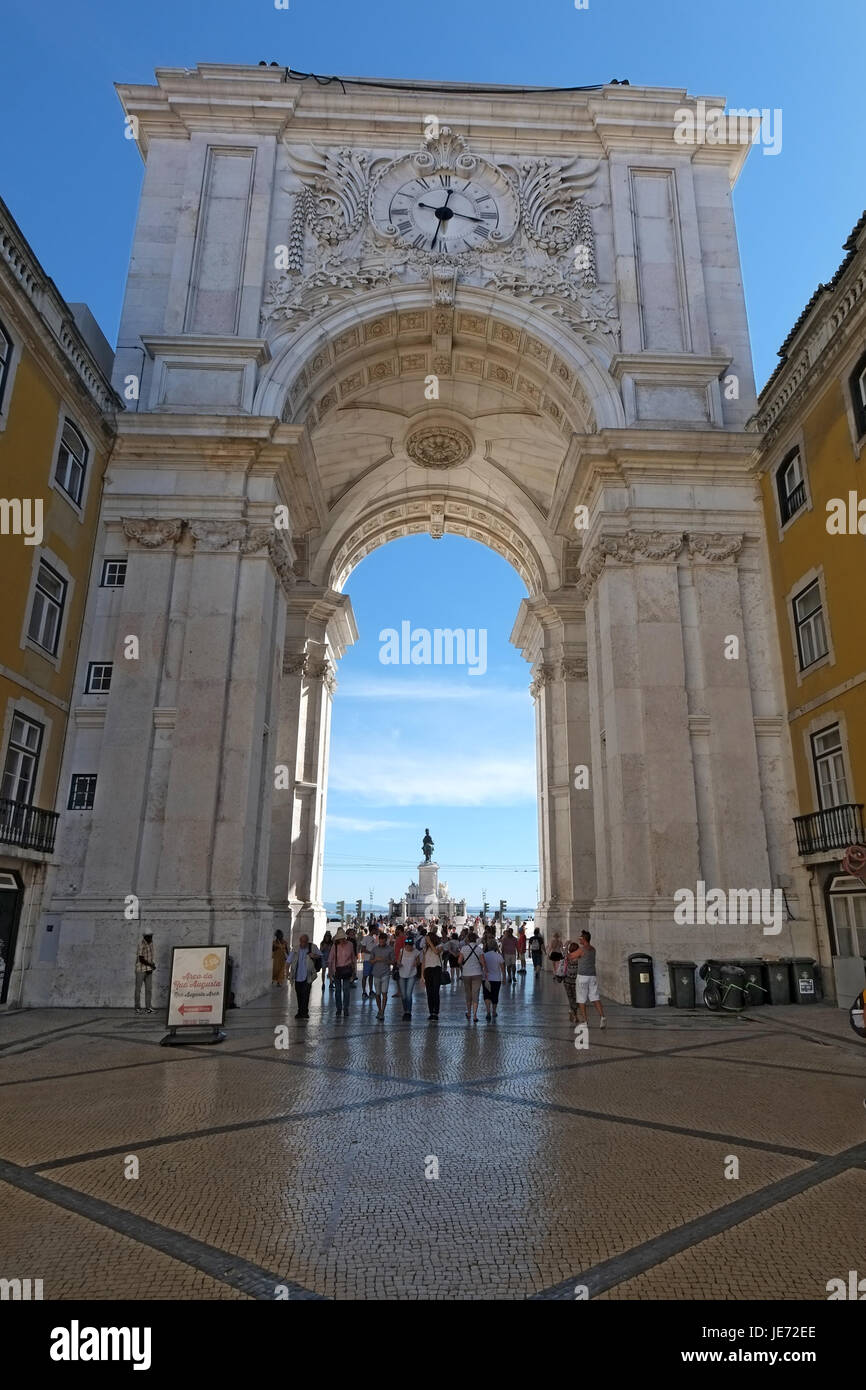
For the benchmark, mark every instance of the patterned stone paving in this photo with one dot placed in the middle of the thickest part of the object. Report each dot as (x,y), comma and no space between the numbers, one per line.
(311,1166)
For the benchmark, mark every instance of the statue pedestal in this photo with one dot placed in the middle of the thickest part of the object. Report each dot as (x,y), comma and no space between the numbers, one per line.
(428,879)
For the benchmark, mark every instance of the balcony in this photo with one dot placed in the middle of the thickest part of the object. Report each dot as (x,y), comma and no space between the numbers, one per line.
(792,503)
(26,826)
(836,828)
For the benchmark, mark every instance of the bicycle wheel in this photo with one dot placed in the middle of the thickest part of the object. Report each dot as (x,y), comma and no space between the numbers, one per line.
(712,998)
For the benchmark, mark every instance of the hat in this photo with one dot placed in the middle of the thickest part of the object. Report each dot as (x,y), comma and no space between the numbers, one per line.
(339,934)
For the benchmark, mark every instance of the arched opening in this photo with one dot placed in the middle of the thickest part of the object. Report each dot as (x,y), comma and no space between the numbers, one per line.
(433,726)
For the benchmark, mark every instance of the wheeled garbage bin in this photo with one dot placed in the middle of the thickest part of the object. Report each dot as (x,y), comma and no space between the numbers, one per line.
(682,984)
(755,991)
(777,981)
(802,972)
(640,980)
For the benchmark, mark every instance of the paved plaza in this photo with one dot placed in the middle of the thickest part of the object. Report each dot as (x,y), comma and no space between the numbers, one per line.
(302,1172)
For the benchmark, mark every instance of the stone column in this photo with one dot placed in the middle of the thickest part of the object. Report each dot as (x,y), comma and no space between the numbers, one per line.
(550,631)
(319,627)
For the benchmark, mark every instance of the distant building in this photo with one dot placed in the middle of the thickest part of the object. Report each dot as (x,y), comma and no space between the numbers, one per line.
(812,468)
(56,430)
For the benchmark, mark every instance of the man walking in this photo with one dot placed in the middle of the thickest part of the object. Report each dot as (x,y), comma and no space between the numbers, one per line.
(587,980)
(302,964)
(368,943)
(508,947)
(145,966)
(381,960)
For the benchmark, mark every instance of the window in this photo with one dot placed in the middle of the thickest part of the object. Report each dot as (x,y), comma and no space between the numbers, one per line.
(848,910)
(47,611)
(99,677)
(22,760)
(857,383)
(5,361)
(830,776)
(71,462)
(809,622)
(791,485)
(113,574)
(82,791)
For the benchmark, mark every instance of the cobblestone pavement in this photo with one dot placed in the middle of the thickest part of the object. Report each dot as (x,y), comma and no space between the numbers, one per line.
(306,1171)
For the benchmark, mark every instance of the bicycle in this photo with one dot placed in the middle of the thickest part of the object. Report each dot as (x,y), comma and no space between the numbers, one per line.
(723,984)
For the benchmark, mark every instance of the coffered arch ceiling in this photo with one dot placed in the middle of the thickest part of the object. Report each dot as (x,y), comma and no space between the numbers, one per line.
(514,387)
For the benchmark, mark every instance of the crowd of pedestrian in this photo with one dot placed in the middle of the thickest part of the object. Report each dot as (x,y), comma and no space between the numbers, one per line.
(405,955)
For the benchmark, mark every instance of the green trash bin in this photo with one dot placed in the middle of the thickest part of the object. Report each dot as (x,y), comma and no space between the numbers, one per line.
(756,991)
(803,987)
(681,974)
(777,981)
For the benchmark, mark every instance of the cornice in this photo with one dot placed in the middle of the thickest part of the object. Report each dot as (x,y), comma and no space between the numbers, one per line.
(49,316)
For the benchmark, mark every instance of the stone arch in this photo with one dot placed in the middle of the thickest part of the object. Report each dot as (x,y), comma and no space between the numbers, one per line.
(552,367)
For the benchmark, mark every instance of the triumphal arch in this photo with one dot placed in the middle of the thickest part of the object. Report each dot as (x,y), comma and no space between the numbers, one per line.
(356,311)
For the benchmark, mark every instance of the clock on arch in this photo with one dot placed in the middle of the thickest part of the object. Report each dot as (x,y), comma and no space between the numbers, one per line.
(444,201)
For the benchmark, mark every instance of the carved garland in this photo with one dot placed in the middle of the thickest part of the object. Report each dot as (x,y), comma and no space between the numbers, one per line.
(659,546)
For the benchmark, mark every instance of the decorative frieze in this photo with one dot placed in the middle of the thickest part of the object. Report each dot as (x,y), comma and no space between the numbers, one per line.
(217,535)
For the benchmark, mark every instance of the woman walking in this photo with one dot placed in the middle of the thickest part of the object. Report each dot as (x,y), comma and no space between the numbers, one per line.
(408,968)
(557,950)
(279,955)
(341,968)
(432,966)
(494,967)
(536,950)
(572,962)
(324,952)
(472,964)
(521,951)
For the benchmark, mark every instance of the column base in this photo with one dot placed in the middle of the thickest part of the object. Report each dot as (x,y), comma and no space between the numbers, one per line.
(96,949)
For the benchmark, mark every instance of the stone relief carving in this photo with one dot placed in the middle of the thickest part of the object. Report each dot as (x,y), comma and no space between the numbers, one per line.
(217,535)
(545,255)
(634,546)
(715,546)
(151,532)
(543,676)
(573,668)
(438,446)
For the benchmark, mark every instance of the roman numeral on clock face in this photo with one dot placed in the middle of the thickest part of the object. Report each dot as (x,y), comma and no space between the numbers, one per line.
(404,227)
(445,180)
(483,232)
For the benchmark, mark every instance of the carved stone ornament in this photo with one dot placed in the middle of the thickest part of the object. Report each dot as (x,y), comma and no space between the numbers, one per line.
(294,664)
(217,535)
(282,559)
(573,668)
(715,547)
(151,532)
(438,446)
(634,546)
(543,676)
(258,538)
(320,669)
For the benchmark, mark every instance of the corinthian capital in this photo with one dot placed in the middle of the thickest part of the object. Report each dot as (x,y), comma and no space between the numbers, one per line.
(715,547)
(152,532)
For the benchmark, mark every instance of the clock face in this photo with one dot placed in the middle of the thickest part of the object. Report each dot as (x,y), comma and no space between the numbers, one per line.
(445,213)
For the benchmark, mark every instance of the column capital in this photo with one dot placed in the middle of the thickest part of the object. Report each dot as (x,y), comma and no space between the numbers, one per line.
(152,533)
(627,548)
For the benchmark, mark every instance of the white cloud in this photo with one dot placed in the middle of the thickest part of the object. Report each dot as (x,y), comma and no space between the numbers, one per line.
(355,824)
(434,776)
(407,689)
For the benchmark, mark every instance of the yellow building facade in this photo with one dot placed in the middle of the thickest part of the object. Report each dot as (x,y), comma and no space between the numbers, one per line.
(56,429)
(812,470)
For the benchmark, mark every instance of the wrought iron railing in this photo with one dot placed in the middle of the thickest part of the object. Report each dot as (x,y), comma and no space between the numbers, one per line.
(27,826)
(793,502)
(836,828)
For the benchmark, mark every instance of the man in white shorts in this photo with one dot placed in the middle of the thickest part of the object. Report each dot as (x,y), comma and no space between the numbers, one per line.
(586,985)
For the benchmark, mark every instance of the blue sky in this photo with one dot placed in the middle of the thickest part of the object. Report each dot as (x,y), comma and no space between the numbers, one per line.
(72,183)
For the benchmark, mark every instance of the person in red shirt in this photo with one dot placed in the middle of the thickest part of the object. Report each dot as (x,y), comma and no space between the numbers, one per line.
(521,951)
